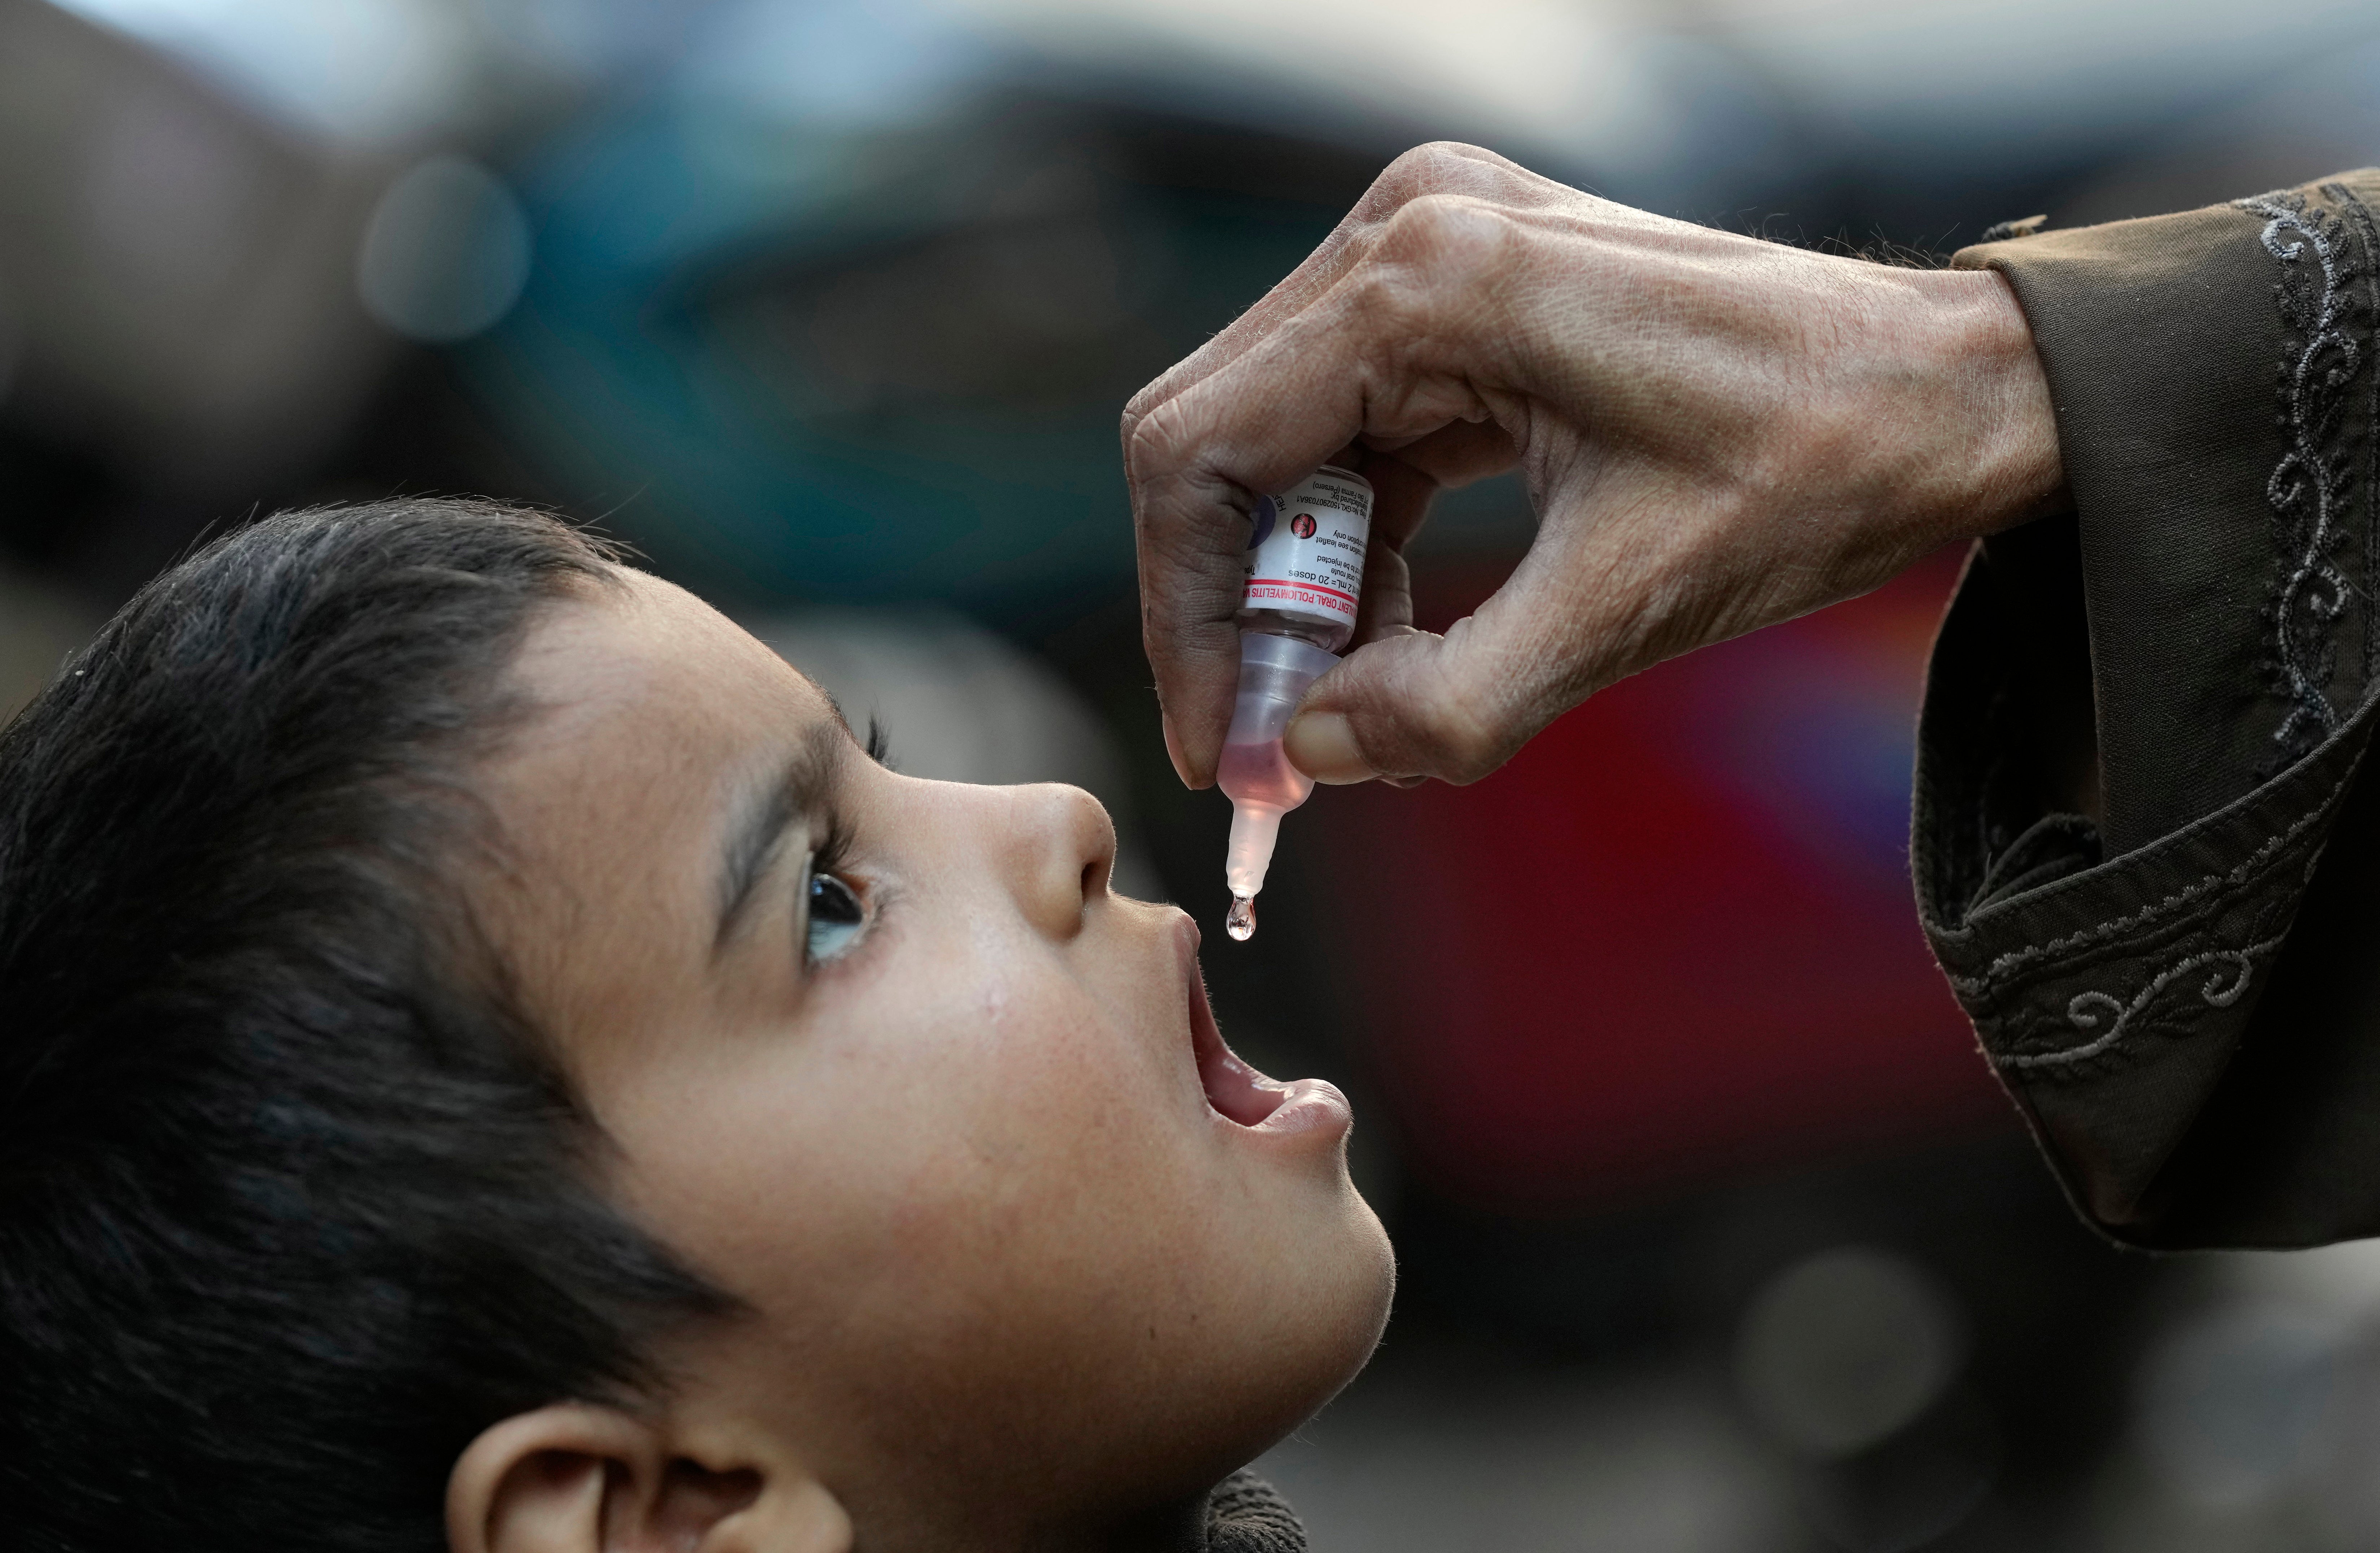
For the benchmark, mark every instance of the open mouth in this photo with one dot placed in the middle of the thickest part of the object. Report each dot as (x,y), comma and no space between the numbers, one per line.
(1236,1091)
(1239,1094)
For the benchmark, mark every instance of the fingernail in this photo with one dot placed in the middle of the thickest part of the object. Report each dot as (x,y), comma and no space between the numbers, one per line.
(1322,745)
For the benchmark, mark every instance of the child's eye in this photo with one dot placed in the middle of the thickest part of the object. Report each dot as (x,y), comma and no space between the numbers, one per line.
(835,917)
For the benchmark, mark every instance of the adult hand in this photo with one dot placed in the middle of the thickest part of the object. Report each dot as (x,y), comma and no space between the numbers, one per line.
(1717,432)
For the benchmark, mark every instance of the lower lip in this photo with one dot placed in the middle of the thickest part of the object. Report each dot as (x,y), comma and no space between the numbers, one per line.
(1307,1105)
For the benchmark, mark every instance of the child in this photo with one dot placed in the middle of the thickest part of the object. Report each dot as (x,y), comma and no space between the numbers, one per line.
(486,1056)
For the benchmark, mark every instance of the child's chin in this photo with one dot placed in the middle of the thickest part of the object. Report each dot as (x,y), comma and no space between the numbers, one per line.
(1343,1320)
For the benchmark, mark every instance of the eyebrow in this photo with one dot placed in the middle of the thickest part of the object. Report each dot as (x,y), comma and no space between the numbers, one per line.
(800,787)
(877,745)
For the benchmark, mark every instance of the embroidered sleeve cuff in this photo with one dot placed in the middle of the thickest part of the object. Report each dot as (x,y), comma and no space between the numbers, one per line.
(2213,399)
(2188,658)
(2177,1025)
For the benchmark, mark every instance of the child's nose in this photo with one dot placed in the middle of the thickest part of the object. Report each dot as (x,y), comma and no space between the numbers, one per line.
(1063,852)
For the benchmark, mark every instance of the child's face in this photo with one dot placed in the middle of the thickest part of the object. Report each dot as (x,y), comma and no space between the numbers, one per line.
(1006,1254)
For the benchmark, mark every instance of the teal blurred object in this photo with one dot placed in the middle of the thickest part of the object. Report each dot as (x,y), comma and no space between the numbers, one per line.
(797,362)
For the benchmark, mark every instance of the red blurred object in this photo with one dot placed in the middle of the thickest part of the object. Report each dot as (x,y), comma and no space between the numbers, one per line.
(1674,939)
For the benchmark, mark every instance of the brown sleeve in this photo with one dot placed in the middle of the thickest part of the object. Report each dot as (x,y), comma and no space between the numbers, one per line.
(2173,991)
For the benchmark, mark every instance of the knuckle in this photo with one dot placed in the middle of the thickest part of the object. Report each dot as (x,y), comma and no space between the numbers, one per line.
(1468,746)
(1127,427)
(1449,167)
(1457,740)
(1470,721)
(1426,169)
(1406,177)
(1395,311)
(1166,387)
(1447,238)
(1157,445)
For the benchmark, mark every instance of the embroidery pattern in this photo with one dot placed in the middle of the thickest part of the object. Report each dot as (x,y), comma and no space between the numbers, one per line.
(2312,487)
(2088,1012)
(2005,965)
(2359,220)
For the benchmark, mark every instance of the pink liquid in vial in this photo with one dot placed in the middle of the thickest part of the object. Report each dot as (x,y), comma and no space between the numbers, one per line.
(1260,776)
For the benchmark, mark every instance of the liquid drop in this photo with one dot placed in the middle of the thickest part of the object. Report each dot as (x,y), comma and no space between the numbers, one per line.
(1241,922)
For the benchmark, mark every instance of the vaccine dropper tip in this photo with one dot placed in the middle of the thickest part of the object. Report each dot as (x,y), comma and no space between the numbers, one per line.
(1241,922)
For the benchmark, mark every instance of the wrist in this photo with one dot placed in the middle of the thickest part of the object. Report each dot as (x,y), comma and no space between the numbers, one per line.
(2000,450)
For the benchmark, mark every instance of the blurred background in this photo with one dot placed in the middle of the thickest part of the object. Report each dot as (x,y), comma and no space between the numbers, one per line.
(1715,1235)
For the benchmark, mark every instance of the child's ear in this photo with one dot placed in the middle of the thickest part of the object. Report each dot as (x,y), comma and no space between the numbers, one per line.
(576,1478)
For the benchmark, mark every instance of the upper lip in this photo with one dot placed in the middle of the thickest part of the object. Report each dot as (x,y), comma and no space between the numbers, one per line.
(1235,1090)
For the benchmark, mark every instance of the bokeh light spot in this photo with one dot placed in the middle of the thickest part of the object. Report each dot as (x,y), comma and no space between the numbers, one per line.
(1845,1348)
(446,252)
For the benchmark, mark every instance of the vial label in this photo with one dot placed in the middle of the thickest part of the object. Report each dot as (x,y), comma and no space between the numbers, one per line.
(1305,552)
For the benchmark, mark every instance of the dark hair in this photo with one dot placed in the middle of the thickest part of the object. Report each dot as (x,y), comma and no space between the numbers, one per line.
(293,1202)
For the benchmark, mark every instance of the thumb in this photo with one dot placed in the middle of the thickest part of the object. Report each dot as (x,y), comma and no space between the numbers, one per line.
(1421,705)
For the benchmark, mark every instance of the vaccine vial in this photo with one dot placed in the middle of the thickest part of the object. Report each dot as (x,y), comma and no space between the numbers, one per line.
(1305,577)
